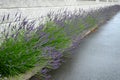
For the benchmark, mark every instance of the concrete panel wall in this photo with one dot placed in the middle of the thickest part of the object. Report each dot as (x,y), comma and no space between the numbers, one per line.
(33,3)
(30,3)
(33,9)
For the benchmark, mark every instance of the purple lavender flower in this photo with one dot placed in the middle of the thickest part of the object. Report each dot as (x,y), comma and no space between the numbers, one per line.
(24,22)
(3,19)
(55,63)
(48,77)
(44,70)
(8,16)
(16,14)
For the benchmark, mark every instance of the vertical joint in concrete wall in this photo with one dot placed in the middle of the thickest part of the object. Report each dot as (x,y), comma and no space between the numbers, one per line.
(107,0)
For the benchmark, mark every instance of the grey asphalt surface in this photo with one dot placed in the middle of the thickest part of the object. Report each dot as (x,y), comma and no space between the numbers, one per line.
(98,56)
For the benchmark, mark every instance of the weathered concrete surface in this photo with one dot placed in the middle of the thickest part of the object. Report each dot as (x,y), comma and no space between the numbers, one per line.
(33,9)
(97,58)
(33,3)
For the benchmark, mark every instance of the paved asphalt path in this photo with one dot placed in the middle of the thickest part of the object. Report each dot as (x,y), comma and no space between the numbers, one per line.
(98,56)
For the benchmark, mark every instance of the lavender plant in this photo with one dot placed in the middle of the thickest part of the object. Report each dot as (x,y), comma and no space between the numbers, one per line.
(25,44)
(74,24)
(22,48)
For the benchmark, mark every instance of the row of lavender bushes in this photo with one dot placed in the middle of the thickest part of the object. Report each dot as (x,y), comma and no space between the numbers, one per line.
(25,45)
(74,24)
